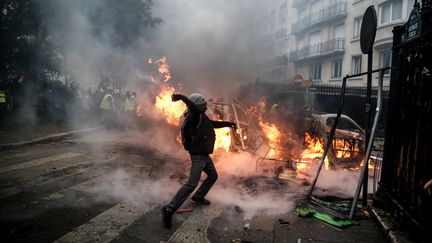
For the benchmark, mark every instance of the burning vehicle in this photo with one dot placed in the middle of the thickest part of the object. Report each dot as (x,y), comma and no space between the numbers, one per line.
(348,145)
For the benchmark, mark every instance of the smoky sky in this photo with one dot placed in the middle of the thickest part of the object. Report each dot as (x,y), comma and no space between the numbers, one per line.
(207,44)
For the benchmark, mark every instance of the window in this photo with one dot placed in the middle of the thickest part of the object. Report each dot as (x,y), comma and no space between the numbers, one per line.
(300,43)
(336,68)
(315,43)
(316,11)
(315,71)
(339,32)
(390,11)
(356,64)
(283,11)
(357,27)
(385,59)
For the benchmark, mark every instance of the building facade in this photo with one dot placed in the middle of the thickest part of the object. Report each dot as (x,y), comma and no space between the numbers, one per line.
(319,40)
(273,41)
(327,38)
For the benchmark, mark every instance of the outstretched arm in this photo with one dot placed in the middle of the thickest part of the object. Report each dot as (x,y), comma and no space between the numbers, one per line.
(220,124)
(191,106)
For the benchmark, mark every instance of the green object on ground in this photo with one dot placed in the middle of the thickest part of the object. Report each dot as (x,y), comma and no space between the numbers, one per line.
(305,212)
(308,212)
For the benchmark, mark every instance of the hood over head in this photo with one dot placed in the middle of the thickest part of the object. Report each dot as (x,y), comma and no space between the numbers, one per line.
(199,101)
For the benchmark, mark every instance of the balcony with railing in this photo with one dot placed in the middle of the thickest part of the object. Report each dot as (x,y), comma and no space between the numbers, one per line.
(281,34)
(330,47)
(298,3)
(324,15)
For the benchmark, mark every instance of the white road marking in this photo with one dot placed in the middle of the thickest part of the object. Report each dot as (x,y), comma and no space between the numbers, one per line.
(42,180)
(40,161)
(86,186)
(106,226)
(102,182)
(194,229)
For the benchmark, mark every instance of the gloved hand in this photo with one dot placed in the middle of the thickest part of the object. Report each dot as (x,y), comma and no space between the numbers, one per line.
(234,125)
(176,97)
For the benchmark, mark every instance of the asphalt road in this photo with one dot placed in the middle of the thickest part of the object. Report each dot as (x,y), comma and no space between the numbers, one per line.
(110,186)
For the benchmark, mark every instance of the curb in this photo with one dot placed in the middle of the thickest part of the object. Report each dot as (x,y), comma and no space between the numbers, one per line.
(49,138)
(387,226)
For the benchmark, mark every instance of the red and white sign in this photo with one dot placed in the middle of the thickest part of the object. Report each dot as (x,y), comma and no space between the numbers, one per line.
(298,78)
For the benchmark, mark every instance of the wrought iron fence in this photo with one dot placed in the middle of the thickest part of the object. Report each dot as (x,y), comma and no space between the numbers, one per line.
(407,163)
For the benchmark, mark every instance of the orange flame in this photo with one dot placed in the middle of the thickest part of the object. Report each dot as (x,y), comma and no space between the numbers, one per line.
(223,139)
(273,134)
(164,69)
(172,111)
(314,149)
(344,148)
(370,164)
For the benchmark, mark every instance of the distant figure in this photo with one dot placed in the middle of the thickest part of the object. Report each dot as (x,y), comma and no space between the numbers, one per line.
(198,137)
(130,108)
(107,106)
(274,109)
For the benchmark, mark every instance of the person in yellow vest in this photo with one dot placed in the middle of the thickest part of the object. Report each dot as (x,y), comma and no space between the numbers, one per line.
(274,112)
(107,108)
(3,104)
(2,97)
(130,108)
(274,109)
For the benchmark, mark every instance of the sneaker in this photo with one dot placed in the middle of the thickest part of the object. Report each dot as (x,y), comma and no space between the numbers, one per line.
(201,201)
(166,217)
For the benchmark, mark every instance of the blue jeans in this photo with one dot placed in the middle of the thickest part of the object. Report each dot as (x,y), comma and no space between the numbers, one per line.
(200,163)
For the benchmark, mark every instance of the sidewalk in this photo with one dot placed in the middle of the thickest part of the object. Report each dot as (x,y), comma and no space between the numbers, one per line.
(312,230)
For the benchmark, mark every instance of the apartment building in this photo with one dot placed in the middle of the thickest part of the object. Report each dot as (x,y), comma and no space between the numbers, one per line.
(326,38)
(272,29)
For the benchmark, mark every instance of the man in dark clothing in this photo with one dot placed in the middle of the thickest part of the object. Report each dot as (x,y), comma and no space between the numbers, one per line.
(198,138)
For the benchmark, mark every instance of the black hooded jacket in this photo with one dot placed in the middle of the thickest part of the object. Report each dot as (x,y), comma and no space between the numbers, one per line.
(198,135)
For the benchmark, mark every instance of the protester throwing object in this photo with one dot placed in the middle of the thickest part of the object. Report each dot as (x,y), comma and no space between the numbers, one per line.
(198,138)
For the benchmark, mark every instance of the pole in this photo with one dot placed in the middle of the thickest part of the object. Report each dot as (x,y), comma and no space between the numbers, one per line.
(330,138)
(367,122)
(239,129)
(363,173)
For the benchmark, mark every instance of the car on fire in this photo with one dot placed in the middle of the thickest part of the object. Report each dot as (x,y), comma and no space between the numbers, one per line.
(348,146)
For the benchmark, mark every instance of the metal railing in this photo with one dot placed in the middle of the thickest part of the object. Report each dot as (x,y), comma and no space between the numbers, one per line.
(319,49)
(297,3)
(280,34)
(325,14)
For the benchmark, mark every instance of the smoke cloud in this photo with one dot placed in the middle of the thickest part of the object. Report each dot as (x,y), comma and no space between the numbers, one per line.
(206,43)
(235,187)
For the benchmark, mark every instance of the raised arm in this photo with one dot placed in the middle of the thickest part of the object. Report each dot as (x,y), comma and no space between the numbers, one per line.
(191,106)
(220,124)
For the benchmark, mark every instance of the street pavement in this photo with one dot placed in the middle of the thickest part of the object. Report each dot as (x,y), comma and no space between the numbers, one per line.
(109,186)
